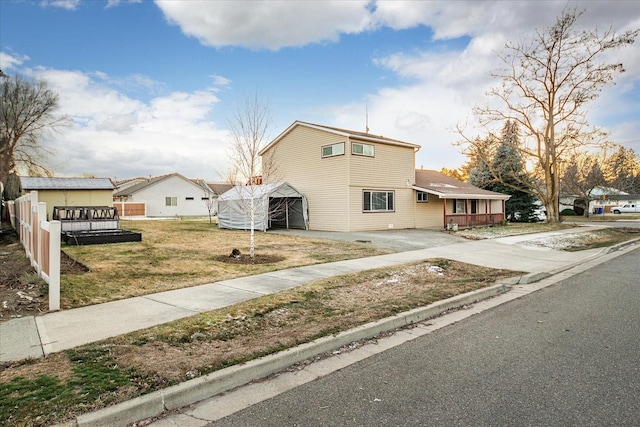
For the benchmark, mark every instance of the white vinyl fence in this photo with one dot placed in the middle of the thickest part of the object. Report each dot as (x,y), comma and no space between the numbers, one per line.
(40,239)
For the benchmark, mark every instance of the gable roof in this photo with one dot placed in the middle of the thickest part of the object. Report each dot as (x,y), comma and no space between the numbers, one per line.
(127,191)
(219,187)
(28,183)
(360,136)
(446,187)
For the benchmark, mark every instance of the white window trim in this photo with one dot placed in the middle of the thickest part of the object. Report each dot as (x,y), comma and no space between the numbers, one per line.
(334,152)
(371,192)
(169,201)
(425,199)
(364,153)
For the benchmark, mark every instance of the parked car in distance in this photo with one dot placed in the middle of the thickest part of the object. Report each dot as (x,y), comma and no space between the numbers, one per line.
(628,208)
(540,213)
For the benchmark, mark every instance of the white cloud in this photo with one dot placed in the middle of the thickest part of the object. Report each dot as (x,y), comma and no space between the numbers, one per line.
(442,86)
(63,4)
(116,136)
(11,61)
(267,24)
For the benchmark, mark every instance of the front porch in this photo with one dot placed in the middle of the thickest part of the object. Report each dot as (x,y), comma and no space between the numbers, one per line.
(469,220)
(473,212)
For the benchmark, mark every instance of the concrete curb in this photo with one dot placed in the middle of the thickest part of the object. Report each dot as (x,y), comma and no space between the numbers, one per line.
(188,392)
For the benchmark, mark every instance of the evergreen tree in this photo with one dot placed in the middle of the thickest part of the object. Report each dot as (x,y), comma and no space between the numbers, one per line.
(622,171)
(507,169)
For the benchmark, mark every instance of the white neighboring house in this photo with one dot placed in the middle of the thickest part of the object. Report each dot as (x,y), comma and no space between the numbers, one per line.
(605,199)
(169,196)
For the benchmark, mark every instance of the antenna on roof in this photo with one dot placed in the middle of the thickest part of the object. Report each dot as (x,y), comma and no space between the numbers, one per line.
(366,115)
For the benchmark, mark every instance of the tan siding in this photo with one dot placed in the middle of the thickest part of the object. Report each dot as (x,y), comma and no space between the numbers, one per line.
(75,198)
(430,214)
(390,168)
(322,180)
(333,186)
(496,206)
(403,217)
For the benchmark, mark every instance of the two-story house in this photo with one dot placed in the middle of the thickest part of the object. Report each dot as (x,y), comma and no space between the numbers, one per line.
(355,181)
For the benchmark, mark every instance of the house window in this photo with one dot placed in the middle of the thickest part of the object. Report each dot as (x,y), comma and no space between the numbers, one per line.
(171,201)
(377,201)
(362,149)
(422,197)
(333,150)
(188,198)
(204,198)
(459,206)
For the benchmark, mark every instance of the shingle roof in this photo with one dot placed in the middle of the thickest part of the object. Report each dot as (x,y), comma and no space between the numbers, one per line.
(127,191)
(362,136)
(218,187)
(28,183)
(447,187)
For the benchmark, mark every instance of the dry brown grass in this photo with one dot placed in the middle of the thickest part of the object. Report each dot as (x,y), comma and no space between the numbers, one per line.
(206,342)
(177,254)
(118,369)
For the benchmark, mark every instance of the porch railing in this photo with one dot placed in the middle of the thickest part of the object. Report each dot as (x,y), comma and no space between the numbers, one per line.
(468,220)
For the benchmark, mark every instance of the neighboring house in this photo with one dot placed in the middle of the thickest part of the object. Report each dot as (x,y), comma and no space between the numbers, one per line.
(356,181)
(69,191)
(605,198)
(167,196)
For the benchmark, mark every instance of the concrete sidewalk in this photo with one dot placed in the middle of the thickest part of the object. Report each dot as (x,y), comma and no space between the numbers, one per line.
(53,332)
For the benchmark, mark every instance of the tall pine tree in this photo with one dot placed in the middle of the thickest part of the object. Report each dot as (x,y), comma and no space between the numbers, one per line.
(508,174)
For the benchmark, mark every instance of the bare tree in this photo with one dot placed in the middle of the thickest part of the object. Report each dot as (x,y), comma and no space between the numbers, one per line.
(547,83)
(27,114)
(249,129)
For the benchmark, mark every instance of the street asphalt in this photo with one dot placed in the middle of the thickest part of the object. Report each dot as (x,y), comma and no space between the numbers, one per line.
(53,332)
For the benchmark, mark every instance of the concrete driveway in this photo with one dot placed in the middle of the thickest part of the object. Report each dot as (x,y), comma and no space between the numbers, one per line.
(393,240)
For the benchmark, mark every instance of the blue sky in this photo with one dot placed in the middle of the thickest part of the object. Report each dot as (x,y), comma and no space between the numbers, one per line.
(151,85)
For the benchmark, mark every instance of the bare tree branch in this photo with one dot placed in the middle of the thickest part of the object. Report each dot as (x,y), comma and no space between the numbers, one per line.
(547,84)
(28,114)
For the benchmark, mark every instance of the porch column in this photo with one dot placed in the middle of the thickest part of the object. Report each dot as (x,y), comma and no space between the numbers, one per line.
(444,213)
(467,212)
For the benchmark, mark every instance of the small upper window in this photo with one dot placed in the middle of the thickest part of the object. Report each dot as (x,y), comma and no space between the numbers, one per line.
(362,149)
(188,198)
(333,150)
(422,197)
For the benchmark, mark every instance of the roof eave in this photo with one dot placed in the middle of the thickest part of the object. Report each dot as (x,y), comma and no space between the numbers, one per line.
(495,196)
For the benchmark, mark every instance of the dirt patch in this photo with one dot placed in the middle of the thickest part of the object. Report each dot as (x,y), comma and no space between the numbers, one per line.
(22,292)
(247,260)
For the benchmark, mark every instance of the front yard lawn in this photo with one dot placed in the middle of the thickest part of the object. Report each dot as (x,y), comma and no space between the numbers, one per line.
(178,254)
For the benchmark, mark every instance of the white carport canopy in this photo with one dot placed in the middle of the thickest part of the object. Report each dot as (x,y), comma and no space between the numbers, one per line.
(275,205)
